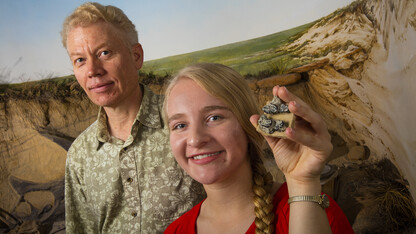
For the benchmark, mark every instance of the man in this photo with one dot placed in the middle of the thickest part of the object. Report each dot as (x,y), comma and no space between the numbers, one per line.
(120,175)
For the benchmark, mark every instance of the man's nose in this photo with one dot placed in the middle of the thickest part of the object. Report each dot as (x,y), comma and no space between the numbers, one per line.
(197,136)
(95,68)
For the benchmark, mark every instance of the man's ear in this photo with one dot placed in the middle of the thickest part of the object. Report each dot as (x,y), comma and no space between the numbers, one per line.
(138,55)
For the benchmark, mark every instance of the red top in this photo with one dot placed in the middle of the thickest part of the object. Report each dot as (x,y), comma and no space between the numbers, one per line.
(186,224)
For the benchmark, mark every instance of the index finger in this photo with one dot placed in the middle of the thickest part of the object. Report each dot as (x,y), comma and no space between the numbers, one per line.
(300,108)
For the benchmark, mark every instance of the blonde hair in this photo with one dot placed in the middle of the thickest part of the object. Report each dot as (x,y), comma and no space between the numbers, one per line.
(230,87)
(92,12)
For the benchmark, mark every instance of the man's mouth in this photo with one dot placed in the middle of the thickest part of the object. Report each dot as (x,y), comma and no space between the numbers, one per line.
(100,87)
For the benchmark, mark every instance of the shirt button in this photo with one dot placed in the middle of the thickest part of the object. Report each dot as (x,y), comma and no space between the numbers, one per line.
(129,180)
(134,214)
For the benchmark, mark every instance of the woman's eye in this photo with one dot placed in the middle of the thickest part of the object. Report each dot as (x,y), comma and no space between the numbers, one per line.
(178,126)
(214,118)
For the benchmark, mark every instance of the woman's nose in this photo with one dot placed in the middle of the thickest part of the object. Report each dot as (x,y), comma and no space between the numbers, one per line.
(197,136)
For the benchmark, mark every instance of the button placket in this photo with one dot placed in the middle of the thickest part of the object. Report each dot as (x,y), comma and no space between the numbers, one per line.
(129,178)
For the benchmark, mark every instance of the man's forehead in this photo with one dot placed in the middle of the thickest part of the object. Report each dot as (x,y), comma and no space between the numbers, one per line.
(90,25)
(93,33)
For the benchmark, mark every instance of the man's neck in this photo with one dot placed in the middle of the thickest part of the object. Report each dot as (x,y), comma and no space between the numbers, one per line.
(121,118)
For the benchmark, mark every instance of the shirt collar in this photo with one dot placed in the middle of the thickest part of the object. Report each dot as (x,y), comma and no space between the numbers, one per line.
(149,115)
(150,109)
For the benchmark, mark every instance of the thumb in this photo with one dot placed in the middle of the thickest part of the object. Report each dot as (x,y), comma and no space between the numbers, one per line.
(254,119)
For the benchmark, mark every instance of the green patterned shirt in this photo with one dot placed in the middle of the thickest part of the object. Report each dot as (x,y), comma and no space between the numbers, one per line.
(132,186)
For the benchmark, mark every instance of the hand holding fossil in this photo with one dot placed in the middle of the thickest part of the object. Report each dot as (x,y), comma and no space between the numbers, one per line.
(300,149)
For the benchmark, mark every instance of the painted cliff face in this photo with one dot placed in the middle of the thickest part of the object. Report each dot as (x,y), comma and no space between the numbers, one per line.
(362,77)
(40,208)
(358,72)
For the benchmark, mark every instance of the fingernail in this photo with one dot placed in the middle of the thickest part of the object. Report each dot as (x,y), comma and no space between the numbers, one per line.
(295,104)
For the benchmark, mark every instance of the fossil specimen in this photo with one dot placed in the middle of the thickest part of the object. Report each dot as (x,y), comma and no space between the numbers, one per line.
(276,106)
(276,119)
(270,126)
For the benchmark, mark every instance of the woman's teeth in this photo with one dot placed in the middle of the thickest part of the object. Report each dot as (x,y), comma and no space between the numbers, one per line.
(205,155)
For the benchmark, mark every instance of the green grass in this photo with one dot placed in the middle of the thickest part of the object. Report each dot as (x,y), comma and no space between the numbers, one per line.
(255,59)
(59,87)
(250,57)
(258,58)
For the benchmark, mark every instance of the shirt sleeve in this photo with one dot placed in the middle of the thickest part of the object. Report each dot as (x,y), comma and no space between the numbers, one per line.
(78,217)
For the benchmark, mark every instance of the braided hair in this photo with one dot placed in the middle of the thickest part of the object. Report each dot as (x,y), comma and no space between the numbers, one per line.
(229,86)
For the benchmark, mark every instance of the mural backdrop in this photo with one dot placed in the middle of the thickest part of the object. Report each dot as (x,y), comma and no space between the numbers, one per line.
(356,66)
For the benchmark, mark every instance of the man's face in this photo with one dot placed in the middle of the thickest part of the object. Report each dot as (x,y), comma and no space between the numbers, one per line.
(104,65)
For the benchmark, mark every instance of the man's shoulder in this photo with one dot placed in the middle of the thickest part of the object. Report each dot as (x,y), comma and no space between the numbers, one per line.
(154,97)
(87,137)
(150,112)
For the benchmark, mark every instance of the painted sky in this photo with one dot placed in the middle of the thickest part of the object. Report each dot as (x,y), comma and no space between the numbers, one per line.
(31,49)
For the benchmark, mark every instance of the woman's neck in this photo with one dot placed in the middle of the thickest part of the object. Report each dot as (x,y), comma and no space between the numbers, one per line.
(229,206)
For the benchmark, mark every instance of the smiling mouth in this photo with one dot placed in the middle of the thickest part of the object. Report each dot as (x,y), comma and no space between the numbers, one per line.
(202,156)
(100,86)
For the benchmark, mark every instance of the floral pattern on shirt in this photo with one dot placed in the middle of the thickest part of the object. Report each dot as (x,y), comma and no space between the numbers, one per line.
(134,186)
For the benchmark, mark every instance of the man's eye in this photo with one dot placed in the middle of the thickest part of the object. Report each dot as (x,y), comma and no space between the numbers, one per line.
(79,60)
(104,53)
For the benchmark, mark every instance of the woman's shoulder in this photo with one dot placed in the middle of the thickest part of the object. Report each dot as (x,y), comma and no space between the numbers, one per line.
(186,223)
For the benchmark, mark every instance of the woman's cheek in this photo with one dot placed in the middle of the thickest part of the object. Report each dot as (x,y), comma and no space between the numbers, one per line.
(178,147)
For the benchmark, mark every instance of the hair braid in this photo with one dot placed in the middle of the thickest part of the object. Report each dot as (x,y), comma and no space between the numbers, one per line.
(263,200)
(230,87)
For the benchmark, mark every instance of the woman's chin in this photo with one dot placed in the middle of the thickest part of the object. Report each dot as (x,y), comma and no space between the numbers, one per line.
(205,180)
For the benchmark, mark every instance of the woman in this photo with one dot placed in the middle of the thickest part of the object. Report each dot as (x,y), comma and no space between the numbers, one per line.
(210,111)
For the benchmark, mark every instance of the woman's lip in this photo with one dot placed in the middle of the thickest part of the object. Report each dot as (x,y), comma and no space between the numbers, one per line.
(205,157)
(206,153)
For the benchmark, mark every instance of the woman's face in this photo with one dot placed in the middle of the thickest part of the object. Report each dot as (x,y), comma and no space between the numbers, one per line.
(205,136)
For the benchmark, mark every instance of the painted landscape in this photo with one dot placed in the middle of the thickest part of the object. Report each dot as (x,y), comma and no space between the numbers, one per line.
(356,67)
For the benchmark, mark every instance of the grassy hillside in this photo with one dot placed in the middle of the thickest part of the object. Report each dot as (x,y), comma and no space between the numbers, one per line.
(259,57)
(249,57)
(57,88)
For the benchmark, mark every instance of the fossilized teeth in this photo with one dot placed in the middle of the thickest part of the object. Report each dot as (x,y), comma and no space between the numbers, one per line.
(276,119)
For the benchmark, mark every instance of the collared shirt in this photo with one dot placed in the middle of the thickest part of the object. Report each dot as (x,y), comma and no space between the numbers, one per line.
(132,186)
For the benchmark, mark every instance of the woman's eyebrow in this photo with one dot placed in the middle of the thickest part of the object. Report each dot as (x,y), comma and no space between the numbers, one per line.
(174,117)
(203,110)
(214,107)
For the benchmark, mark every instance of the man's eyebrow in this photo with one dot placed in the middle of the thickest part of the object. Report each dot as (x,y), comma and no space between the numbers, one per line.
(78,53)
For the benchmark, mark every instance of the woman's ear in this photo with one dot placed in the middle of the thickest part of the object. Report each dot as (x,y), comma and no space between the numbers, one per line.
(138,55)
